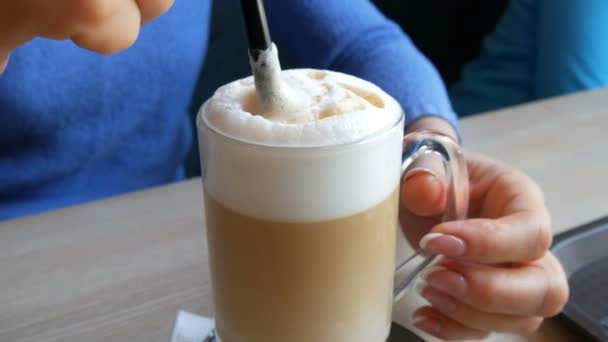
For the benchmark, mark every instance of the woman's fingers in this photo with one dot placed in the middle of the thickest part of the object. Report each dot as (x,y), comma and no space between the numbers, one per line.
(152,9)
(423,189)
(423,197)
(499,275)
(474,320)
(513,225)
(435,323)
(109,27)
(536,289)
(519,237)
(103,26)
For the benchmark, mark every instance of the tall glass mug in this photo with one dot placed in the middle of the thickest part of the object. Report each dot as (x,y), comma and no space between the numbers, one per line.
(302,239)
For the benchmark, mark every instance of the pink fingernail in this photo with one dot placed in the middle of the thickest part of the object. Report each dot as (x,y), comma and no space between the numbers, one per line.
(439,243)
(449,282)
(417,171)
(421,284)
(430,325)
(442,302)
(430,269)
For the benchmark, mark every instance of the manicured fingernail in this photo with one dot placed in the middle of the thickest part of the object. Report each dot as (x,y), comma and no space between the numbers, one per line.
(450,282)
(417,319)
(421,284)
(418,171)
(439,243)
(430,325)
(428,238)
(442,302)
(430,269)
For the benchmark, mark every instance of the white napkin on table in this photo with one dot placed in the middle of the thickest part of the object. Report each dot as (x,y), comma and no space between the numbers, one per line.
(191,328)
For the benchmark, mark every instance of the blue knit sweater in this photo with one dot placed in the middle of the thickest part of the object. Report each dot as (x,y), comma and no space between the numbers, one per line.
(75,126)
(539,48)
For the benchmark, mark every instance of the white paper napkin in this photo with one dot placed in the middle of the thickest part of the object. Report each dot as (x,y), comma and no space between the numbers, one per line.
(191,328)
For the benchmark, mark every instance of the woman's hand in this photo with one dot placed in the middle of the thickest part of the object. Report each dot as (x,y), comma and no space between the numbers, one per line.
(104,26)
(498,274)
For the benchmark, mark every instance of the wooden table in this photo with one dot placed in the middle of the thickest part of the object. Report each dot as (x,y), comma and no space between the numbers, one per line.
(120,269)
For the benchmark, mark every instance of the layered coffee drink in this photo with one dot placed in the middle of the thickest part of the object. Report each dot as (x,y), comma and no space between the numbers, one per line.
(301,208)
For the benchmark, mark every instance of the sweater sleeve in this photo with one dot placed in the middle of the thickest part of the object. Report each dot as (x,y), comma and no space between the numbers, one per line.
(572,46)
(503,75)
(353,37)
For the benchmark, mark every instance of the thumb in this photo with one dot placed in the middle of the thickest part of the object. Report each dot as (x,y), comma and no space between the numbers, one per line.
(423,189)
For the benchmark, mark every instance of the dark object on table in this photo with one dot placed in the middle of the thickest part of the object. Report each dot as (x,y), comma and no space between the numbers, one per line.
(400,334)
(583,252)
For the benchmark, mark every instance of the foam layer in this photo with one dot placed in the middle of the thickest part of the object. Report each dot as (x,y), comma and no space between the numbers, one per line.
(333,108)
(270,179)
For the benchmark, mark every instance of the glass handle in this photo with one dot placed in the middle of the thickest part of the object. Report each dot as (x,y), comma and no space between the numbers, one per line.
(422,143)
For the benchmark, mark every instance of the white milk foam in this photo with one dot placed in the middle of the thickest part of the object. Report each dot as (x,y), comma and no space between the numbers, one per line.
(334,108)
(281,173)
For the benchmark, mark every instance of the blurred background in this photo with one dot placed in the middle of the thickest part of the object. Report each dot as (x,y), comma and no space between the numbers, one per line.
(449,38)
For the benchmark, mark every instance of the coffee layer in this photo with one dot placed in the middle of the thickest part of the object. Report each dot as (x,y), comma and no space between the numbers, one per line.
(327,281)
